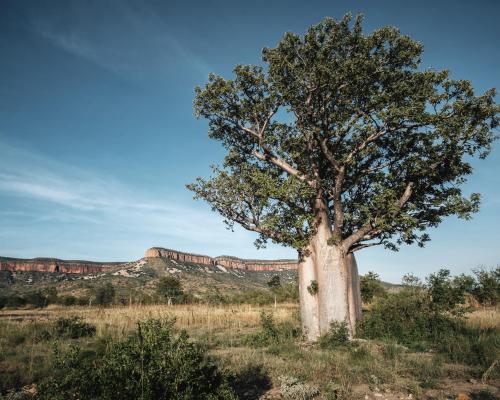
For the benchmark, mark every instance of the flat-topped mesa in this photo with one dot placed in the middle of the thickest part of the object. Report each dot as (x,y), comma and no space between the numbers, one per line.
(224,261)
(54,265)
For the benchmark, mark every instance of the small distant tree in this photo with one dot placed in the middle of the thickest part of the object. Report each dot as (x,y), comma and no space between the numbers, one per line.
(444,292)
(487,287)
(36,299)
(274,283)
(170,288)
(51,294)
(342,142)
(371,286)
(104,294)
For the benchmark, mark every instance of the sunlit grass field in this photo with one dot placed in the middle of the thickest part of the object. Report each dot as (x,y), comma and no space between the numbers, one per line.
(368,368)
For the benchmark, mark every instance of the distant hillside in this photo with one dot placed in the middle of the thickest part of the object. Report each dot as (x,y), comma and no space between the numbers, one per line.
(139,278)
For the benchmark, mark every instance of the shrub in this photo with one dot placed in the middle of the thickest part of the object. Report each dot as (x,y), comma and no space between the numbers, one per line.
(338,335)
(487,287)
(151,364)
(272,333)
(104,294)
(73,328)
(67,300)
(36,299)
(15,301)
(371,286)
(413,318)
(406,317)
(446,294)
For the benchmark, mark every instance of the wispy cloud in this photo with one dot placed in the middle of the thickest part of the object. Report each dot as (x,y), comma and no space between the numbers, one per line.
(137,43)
(67,197)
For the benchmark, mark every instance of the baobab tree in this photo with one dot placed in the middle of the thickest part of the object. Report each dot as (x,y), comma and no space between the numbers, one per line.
(340,143)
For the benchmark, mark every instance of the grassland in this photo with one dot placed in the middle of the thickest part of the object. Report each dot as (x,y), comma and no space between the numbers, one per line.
(362,369)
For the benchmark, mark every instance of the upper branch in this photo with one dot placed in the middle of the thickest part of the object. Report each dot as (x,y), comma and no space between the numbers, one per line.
(370,229)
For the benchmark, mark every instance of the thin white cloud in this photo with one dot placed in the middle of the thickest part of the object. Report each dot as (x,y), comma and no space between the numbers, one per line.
(135,45)
(63,194)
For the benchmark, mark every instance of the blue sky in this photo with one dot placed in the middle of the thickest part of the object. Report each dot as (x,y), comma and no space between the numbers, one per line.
(98,138)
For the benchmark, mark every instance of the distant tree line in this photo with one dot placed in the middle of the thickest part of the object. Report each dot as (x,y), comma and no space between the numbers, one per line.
(481,287)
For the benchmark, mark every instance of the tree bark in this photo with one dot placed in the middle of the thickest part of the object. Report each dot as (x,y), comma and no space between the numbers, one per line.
(338,295)
(309,313)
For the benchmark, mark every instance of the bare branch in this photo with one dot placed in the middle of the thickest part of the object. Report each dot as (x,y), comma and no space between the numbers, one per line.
(268,156)
(365,245)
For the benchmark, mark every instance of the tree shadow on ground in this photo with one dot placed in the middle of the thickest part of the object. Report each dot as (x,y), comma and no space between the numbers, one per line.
(251,382)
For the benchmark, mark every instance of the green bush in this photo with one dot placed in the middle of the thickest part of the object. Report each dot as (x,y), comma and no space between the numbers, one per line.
(272,333)
(338,335)
(420,321)
(487,287)
(104,294)
(73,328)
(371,286)
(151,364)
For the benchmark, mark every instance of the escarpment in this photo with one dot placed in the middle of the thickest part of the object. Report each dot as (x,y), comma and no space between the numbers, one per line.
(224,261)
(91,267)
(54,265)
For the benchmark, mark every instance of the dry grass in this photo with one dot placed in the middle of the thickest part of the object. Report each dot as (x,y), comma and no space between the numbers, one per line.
(485,318)
(354,370)
(198,319)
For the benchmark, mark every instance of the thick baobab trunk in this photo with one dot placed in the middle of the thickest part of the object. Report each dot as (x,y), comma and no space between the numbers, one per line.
(332,278)
(309,313)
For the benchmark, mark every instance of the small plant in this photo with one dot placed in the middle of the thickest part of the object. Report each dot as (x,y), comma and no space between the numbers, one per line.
(73,328)
(268,326)
(313,288)
(272,333)
(340,390)
(338,335)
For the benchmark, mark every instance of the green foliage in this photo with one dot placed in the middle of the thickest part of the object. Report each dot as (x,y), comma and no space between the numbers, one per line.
(151,364)
(445,292)
(283,293)
(214,296)
(371,286)
(486,288)
(36,299)
(272,333)
(338,335)
(407,317)
(274,282)
(104,294)
(349,122)
(73,328)
(313,288)
(429,317)
(170,289)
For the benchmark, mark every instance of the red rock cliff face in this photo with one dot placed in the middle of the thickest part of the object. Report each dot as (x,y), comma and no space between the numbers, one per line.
(225,261)
(54,265)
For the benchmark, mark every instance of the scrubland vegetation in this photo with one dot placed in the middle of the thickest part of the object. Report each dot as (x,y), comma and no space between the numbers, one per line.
(429,339)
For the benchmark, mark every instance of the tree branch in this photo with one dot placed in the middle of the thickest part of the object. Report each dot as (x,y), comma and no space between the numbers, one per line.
(369,228)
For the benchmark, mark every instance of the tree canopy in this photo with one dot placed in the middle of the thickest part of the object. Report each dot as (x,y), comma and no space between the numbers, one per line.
(349,123)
